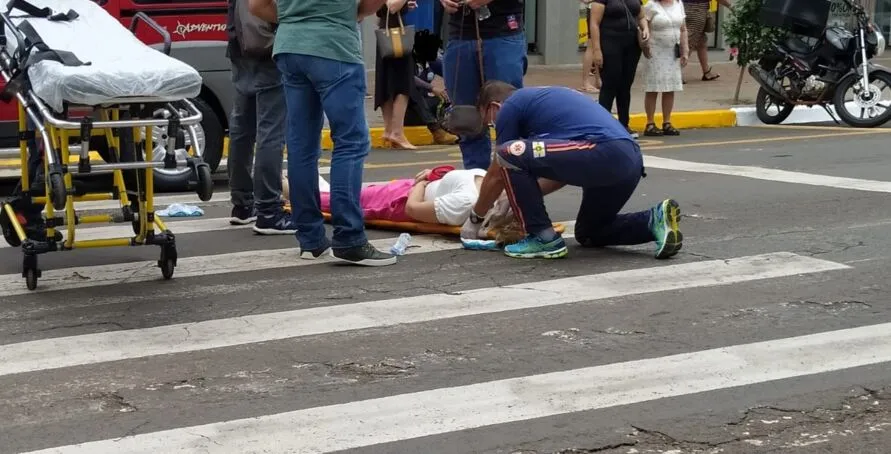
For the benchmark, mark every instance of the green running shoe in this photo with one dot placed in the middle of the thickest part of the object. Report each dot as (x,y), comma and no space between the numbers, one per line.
(533,247)
(664,220)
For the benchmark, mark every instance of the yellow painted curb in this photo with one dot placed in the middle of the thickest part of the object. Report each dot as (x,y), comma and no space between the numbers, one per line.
(689,120)
(420,135)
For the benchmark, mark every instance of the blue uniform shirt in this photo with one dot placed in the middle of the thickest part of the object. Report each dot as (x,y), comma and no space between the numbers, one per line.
(555,113)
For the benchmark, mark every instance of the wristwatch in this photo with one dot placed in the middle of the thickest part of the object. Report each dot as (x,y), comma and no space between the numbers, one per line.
(475,218)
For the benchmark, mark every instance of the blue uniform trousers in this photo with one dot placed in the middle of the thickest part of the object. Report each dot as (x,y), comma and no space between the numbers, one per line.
(608,174)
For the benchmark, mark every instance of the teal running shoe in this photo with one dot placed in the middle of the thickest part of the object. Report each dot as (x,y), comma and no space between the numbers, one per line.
(664,220)
(533,247)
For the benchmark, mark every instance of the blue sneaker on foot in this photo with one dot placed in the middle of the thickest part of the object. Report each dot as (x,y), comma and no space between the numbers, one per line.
(533,247)
(664,220)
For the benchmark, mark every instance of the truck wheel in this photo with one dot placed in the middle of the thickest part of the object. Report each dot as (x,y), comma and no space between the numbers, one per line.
(210,136)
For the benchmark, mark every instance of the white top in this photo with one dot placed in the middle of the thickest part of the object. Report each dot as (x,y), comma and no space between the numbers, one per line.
(454,195)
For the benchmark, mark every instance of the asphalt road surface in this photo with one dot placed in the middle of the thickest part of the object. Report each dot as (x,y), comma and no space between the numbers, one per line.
(769,333)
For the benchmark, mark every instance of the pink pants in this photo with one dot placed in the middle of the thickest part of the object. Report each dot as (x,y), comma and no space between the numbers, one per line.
(380,202)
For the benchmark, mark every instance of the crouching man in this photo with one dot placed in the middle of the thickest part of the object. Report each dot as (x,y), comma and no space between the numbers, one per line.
(549,137)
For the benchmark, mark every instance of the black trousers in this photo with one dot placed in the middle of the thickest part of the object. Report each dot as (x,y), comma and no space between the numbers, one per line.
(421,109)
(621,54)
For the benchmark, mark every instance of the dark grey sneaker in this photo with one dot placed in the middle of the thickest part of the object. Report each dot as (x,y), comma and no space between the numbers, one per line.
(279,223)
(242,215)
(312,254)
(365,255)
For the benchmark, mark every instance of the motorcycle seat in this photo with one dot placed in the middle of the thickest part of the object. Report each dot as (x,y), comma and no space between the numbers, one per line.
(796,46)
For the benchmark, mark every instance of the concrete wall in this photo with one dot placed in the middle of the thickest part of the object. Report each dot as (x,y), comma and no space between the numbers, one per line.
(555,33)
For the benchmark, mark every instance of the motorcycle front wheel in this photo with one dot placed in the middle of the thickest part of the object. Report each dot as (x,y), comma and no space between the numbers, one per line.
(764,101)
(865,101)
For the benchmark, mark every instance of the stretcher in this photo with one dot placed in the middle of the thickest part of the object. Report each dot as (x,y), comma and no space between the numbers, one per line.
(77,74)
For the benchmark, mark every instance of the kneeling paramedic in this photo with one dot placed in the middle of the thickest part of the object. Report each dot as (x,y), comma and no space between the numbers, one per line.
(549,137)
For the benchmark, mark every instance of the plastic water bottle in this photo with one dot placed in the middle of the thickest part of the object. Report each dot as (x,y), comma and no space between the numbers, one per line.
(401,244)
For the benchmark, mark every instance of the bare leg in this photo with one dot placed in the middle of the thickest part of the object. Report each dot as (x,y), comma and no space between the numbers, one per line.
(397,121)
(650,106)
(587,64)
(387,111)
(667,106)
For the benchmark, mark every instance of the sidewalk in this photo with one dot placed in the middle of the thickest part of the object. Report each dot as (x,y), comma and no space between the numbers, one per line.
(697,95)
(701,104)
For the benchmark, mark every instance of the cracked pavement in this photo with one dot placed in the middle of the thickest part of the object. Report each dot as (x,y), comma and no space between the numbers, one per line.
(724,217)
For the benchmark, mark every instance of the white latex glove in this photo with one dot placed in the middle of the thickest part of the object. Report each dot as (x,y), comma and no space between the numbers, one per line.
(471,231)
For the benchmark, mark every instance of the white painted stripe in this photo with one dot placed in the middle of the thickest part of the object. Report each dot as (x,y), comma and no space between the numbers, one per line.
(746,116)
(761,173)
(203,265)
(137,343)
(178,227)
(414,415)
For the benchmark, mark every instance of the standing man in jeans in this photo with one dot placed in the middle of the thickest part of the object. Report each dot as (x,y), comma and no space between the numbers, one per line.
(258,117)
(317,50)
(501,28)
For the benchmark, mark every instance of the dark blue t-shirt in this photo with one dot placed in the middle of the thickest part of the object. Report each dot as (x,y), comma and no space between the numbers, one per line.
(555,113)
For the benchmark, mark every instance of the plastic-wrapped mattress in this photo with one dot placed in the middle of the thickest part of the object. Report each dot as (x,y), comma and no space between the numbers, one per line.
(120,65)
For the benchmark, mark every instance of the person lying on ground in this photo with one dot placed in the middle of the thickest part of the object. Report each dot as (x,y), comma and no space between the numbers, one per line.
(442,195)
(549,137)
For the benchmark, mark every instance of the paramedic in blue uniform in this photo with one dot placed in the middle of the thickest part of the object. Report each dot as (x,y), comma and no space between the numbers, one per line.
(549,137)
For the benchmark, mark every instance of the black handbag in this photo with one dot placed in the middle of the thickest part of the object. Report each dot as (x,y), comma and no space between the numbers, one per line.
(396,42)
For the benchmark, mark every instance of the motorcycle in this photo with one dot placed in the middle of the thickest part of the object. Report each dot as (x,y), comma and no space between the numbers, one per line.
(796,73)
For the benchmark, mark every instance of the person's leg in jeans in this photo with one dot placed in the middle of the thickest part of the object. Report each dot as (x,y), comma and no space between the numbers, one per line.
(461,75)
(611,72)
(242,135)
(311,85)
(504,59)
(303,137)
(271,119)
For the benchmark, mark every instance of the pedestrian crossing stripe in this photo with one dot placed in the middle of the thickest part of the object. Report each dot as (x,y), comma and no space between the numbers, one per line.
(54,353)
(438,411)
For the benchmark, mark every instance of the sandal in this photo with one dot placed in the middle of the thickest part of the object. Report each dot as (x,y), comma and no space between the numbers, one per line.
(705,75)
(652,131)
(669,130)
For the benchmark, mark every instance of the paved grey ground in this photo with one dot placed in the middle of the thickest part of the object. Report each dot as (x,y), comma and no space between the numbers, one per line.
(725,216)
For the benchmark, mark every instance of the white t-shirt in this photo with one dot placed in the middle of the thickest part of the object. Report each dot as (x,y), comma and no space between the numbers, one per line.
(454,195)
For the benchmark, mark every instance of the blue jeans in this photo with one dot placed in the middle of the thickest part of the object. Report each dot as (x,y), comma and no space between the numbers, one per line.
(504,59)
(313,86)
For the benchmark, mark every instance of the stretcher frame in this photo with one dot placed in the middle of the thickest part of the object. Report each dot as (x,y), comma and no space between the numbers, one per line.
(56,131)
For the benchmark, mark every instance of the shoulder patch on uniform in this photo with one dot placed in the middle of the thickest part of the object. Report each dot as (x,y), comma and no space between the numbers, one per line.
(538,149)
(517,148)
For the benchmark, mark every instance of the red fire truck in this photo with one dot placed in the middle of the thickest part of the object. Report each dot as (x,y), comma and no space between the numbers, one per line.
(198,34)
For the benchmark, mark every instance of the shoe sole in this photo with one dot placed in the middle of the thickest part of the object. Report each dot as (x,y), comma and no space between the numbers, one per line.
(557,254)
(366,262)
(273,231)
(674,239)
(239,221)
(308,255)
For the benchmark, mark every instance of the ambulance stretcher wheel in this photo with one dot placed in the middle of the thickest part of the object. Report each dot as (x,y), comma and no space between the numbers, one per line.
(167,262)
(58,193)
(205,182)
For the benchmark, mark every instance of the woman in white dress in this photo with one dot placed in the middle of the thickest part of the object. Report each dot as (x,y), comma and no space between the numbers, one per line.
(668,54)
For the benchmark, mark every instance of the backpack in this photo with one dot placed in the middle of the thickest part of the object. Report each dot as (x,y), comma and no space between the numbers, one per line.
(255,36)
